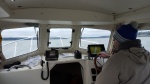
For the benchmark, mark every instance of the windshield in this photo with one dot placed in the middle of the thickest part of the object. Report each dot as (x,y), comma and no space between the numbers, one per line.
(60,37)
(19,41)
(94,36)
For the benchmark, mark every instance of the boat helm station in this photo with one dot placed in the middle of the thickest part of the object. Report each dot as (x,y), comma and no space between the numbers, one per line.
(57,41)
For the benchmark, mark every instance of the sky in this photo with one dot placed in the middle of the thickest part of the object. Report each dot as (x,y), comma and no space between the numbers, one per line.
(95,32)
(19,32)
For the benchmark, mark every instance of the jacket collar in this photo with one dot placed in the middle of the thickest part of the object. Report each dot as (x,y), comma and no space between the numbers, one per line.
(130,43)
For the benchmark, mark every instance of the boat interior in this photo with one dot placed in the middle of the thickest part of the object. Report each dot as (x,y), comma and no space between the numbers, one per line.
(56,41)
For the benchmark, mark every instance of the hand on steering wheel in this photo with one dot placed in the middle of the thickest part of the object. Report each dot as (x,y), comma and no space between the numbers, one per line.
(103,55)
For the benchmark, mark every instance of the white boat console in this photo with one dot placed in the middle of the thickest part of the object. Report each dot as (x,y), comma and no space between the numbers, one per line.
(64,70)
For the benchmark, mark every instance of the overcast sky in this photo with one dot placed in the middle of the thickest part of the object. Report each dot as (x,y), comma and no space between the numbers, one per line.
(19,32)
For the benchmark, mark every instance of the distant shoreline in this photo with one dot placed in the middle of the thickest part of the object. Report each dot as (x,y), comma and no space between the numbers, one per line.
(35,38)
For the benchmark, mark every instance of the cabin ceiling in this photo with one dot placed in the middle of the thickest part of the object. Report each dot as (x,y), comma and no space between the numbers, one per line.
(101,6)
(76,12)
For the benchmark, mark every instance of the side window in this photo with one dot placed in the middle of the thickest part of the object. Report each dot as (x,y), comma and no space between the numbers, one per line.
(144,35)
(19,41)
(94,36)
(60,37)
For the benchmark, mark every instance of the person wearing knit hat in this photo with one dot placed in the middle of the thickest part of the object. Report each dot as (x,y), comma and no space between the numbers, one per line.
(126,32)
(129,63)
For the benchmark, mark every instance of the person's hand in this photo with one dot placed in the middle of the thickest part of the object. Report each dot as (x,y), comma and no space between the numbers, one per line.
(103,54)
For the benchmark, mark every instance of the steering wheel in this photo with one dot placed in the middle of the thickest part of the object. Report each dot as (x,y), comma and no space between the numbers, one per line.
(98,68)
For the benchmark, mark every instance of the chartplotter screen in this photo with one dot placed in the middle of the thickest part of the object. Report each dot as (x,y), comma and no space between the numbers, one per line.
(94,49)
